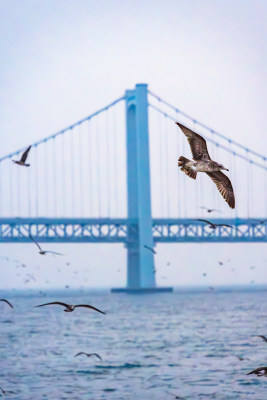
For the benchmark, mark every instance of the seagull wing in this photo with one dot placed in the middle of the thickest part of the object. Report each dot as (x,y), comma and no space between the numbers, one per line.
(263,337)
(255,371)
(25,154)
(224,186)
(79,354)
(205,220)
(87,306)
(96,355)
(54,302)
(197,143)
(6,301)
(34,241)
(54,252)
(150,248)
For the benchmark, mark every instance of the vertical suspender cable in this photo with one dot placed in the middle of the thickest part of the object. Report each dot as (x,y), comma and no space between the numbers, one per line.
(116,153)
(46,179)
(248,188)
(81,167)
(36,183)
(54,143)
(19,195)
(98,167)
(73,208)
(108,163)
(29,190)
(63,177)
(178,176)
(166,141)
(161,172)
(265,186)
(90,184)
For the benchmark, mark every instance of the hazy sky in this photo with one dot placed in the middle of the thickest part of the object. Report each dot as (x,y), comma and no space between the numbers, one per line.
(62,60)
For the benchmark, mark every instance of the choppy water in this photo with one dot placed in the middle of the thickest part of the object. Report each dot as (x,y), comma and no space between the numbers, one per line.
(150,344)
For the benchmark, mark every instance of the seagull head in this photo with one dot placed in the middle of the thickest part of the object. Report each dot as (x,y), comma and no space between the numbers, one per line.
(221,167)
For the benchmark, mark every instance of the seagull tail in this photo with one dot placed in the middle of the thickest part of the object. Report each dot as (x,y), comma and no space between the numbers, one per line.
(182,161)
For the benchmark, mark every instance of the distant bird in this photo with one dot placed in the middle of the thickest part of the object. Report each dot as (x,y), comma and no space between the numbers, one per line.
(203,163)
(252,267)
(210,210)
(23,159)
(262,337)
(204,274)
(176,396)
(2,390)
(150,248)
(6,301)
(220,262)
(88,355)
(214,226)
(43,252)
(70,307)
(261,371)
(261,222)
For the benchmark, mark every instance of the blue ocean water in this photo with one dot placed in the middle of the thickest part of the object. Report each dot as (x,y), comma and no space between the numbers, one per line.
(152,345)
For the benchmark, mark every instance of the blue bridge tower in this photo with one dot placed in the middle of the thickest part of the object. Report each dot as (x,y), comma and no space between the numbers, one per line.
(140,243)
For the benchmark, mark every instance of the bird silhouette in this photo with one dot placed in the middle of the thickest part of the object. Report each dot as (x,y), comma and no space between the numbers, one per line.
(23,159)
(88,355)
(41,251)
(70,307)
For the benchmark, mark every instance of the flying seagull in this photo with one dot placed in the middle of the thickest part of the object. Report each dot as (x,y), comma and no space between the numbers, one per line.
(176,396)
(43,252)
(6,301)
(264,338)
(214,226)
(70,307)
(210,210)
(2,390)
(203,163)
(150,248)
(88,355)
(23,159)
(261,371)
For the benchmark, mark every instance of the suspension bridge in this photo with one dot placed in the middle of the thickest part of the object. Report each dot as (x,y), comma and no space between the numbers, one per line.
(112,177)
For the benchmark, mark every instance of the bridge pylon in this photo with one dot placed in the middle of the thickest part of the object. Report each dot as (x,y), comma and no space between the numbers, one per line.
(140,243)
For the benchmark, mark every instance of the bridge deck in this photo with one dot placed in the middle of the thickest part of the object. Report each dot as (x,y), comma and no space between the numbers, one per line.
(108,230)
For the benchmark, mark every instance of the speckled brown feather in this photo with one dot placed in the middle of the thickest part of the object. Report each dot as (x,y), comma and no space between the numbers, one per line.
(224,186)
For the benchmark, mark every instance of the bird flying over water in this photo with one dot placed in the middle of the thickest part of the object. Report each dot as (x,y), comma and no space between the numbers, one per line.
(210,210)
(261,371)
(88,355)
(203,163)
(176,396)
(2,390)
(43,252)
(23,159)
(70,307)
(6,301)
(214,226)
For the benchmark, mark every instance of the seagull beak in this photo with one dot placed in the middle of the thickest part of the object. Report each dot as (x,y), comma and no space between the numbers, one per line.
(225,169)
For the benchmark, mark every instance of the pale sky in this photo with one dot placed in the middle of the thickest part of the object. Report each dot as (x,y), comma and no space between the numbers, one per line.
(62,60)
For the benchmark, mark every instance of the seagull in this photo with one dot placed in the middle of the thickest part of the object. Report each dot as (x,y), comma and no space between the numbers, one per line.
(261,371)
(176,396)
(88,355)
(264,338)
(210,210)
(43,252)
(2,390)
(23,159)
(6,301)
(214,226)
(70,307)
(150,248)
(203,163)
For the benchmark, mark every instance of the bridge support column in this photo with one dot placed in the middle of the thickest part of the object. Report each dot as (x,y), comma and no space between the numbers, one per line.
(140,259)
